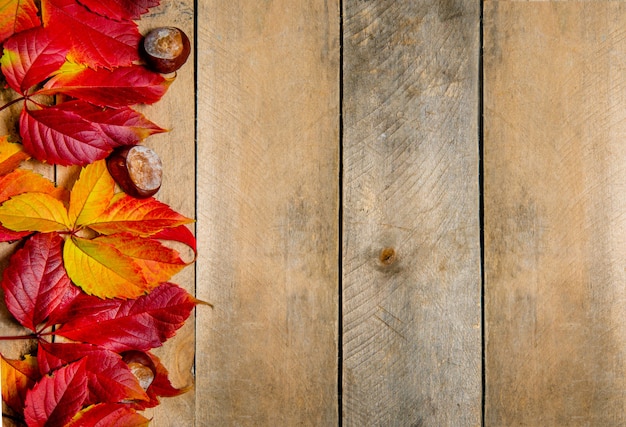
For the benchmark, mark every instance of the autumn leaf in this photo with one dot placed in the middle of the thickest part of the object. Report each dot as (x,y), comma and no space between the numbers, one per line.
(120,9)
(11,155)
(55,399)
(30,57)
(119,87)
(140,324)
(94,39)
(34,212)
(18,376)
(35,282)
(91,194)
(109,379)
(108,415)
(16,16)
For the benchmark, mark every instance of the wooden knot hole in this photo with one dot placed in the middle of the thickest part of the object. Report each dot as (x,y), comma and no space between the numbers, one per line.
(387,256)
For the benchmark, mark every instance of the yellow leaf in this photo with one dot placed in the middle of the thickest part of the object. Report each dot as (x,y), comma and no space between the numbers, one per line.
(11,155)
(102,270)
(91,194)
(34,212)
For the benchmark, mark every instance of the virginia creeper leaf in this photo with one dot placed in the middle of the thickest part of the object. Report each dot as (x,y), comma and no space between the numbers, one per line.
(94,39)
(102,270)
(109,379)
(158,263)
(35,212)
(16,16)
(91,193)
(30,57)
(55,399)
(119,87)
(142,217)
(35,282)
(178,234)
(139,324)
(108,415)
(11,155)
(120,9)
(18,376)
(58,135)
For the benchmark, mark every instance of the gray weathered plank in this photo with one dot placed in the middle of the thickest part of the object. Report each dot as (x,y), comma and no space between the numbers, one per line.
(268,85)
(555,91)
(411,247)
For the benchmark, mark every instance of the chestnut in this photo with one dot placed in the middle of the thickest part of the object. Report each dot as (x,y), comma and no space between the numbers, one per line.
(141,366)
(166,49)
(136,169)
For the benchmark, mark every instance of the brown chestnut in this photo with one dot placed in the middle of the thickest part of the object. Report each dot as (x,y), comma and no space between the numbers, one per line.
(141,366)
(136,169)
(166,49)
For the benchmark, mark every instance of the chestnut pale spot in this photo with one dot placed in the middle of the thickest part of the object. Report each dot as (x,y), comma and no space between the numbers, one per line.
(144,168)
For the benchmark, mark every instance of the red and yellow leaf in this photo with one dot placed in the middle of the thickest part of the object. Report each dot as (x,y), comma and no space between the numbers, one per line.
(140,324)
(158,263)
(91,194)
(109,378)
(11,155)
(55,399)
(30,57)
(102,270)
(22,181)
(119,87)
(108,415)
(16,16)
(142,217)
(18,376)
(35,282)
(120,9)
(34,212)
(94,39)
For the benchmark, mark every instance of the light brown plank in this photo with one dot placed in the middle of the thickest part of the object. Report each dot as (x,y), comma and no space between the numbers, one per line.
(267,212)
(555,122)
(411,247)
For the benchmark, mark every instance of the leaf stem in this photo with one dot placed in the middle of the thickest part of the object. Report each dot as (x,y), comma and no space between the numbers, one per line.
(19,337)
(15,101)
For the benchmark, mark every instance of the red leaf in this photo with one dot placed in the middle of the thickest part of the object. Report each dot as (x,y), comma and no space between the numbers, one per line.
(109,378)
(35,282)
(120,9)
(62,136)
(108,415)
(95,40)
(55,399)
(139,324)
(178,234)
(115,88)
(31,57)
(16,16)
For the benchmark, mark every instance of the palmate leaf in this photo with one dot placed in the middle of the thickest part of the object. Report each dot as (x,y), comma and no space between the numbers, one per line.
(94,40)
(55,399)
(140,324)
(109,379)
(35,282)
(16,16)
(119,87)
(18,376)
(32,56)
(78,133)
(120,9)
(108,415)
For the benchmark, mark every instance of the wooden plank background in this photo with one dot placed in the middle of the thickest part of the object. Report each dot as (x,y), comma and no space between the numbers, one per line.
(332,159)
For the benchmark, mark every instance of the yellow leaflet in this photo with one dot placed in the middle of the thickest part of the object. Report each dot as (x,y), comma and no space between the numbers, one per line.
(91,194)
(34,212)
(11,155)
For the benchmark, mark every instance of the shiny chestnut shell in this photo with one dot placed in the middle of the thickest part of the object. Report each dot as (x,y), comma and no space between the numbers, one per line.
(136,169)
(166,49)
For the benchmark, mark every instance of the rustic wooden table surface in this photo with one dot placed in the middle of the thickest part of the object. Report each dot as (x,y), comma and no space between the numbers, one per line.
(409,213)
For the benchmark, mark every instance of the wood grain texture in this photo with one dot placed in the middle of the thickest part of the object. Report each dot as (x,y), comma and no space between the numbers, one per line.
(555,197)
(268,144)
(411,247)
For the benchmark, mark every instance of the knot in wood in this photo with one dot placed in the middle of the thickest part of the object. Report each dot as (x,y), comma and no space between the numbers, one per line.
(387,256)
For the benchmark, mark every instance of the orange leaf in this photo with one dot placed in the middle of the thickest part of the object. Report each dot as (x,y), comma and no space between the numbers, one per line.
(18,376)
(141,217)
(24,181)
(34,212)
(11,155)
(91,194)
(102,270)
(17,15)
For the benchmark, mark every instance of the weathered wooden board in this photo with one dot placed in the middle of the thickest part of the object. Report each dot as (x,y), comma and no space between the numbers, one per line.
(411,246)
(267,206)
(555,197)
